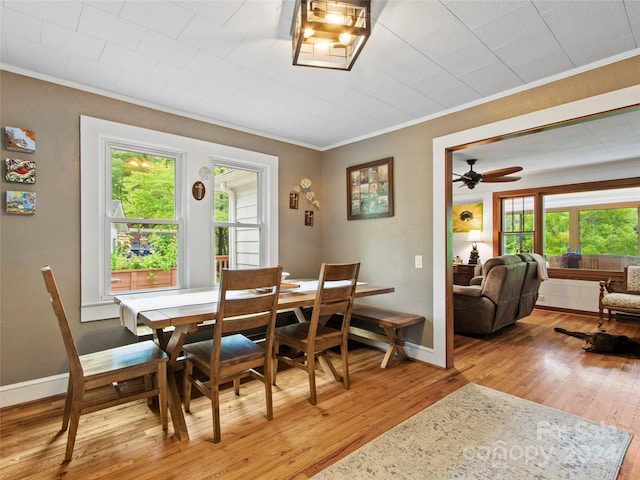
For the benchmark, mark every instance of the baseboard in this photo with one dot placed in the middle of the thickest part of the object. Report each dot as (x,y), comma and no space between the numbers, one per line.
(414,351)
(40,388)
(37,389)
(588,313)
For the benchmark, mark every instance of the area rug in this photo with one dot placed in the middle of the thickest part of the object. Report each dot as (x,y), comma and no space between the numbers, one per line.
(480,433)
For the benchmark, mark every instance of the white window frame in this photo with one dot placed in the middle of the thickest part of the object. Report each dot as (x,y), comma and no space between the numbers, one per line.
(196,265)
(104,247)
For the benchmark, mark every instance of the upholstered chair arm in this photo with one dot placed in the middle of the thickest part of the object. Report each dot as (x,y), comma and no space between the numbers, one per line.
(467,290)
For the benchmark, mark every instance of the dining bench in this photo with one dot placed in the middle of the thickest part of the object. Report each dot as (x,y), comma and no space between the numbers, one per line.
(392,322)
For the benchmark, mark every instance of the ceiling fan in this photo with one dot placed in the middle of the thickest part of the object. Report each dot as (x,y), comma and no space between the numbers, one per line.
(472,178)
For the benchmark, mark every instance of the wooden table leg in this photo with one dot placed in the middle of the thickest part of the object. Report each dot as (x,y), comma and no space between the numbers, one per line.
(173,347)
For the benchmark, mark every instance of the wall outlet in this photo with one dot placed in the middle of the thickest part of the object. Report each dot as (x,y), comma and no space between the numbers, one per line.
(418,261)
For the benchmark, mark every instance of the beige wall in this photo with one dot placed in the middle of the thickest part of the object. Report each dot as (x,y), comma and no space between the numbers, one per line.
(28,329)
(386,247)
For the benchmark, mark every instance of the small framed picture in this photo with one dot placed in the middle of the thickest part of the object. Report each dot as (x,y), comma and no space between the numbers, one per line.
(20,171)
(308,218)
(22,203)
(19,140)
(370,190)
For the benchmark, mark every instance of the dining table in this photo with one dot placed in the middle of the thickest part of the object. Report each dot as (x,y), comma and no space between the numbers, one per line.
(173,314)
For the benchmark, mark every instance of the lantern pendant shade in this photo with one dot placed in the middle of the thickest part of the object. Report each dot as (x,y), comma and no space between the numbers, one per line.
(330,34)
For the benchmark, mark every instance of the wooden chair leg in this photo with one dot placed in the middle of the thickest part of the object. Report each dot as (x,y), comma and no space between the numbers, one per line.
(161,382)
(215,411)
(269,398)
(345,366)
(76,407)
(188,371)
(236,386)
(274,366)
(67,405)
(311,371)
(148,385)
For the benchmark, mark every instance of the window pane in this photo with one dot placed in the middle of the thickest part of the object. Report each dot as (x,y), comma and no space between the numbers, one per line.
(142,185)
(594,230)
(517,243)
(247,247)
(517,214)
(612,231)
(143,256)
(236,195)
(556,234)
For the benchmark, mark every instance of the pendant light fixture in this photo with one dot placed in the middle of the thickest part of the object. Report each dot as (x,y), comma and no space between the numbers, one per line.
(330,34)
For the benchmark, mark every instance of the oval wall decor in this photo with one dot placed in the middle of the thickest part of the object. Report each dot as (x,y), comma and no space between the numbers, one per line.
(198,190)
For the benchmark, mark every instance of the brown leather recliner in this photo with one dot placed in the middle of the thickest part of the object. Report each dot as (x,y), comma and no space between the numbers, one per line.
(495,303)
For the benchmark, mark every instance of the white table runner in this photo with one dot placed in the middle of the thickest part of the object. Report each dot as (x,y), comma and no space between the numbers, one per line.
(129,308)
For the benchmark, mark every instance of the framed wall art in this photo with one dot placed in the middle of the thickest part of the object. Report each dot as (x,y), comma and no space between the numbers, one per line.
(467,217)
(20,171)
(370,190)
(19,140)
(22,203)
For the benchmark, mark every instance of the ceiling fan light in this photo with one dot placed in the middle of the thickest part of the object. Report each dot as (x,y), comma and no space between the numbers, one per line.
(343,27)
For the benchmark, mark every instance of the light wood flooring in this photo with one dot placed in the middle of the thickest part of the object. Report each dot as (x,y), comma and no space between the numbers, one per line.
(528,360)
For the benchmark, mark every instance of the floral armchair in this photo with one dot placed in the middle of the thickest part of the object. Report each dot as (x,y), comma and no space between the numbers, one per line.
(621,296)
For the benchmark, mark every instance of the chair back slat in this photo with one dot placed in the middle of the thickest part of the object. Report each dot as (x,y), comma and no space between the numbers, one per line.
(75,367)
(334,299)
(245,323)
(248,299)
(247,304)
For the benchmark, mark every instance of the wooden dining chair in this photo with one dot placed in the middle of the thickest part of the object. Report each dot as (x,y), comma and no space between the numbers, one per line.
(312,340)
(247,300)
(106,378)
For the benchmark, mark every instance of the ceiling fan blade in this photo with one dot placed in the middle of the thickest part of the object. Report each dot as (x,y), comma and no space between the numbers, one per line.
(462,177)
(500,179)
(501,172)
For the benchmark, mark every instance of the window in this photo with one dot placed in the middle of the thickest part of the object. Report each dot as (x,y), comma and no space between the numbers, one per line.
(237,222)
(517,225)
(578,228)
(139,215)
(143,222)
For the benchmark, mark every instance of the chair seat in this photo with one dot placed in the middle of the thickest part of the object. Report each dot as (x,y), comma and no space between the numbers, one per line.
(235,349)
(299,332)
(121,358)
(621,300)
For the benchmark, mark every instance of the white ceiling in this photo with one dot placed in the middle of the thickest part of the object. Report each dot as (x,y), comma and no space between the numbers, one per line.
(605,138)
(229,62)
